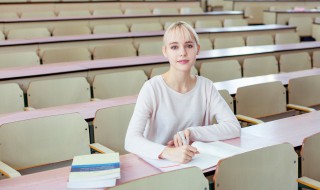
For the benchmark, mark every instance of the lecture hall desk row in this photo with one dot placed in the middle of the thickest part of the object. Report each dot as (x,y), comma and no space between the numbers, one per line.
(88,69)
(135,38)
(50,23)
(292,130)
(88,109)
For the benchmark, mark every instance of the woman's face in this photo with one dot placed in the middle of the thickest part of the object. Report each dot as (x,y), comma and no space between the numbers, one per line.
(181,49)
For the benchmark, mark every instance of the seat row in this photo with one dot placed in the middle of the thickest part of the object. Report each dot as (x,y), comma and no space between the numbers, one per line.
(100,12)
(63,91)
(64,30)
(57,55)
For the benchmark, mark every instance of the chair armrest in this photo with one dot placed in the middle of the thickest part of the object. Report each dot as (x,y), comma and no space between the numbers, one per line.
(100,148)
(29,109)
(309,182)
(8,171)
(248,119)
(300,108)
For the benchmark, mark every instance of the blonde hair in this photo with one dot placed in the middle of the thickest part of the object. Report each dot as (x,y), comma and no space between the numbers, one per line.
(184,29)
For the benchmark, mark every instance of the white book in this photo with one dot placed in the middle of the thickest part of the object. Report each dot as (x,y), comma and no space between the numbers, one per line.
(209,156)
(94,171)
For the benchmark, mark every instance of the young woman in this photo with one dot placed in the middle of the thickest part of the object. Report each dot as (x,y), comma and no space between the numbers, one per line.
(178,102)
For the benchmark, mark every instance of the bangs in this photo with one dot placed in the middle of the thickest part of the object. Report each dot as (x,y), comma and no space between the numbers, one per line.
(180,29)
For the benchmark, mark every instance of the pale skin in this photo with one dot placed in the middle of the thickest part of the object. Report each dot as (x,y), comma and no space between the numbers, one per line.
(181,53)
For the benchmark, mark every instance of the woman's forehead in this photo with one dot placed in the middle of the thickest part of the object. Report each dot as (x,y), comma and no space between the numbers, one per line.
(179,35)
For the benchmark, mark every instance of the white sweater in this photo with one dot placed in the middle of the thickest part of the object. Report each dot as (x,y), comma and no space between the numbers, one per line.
(161,112)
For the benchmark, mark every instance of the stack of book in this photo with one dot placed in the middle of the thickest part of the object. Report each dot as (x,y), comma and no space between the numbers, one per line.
(94,171)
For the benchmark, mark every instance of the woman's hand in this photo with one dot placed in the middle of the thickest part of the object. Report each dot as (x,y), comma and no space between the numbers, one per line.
(182,154)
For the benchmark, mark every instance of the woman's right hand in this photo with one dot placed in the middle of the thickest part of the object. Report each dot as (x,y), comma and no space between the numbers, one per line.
(182,154)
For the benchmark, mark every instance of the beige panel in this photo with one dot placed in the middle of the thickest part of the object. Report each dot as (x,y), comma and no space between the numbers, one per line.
(28,33)
(152,5)
(12,99)
(2,37)
(55,92)
(150,48)
(191,10)
(303,24)
(316,59)
(138,11)
(260,66)
(269,18)
(110,29)
(69,31)
(294,62)
(65,55)
(19,59)
(227,97)
(228,42)
(160,70)
(45,140)
(40,14)
(110,126)
(287,38)
(208,24)
(221,70)
(235,22)
(146,27)
(259,40)
(9,15)
(261,100)
(310,157)
(304,91)
(316,31)
(107,12)
(114,51)
(177,180)
(164,11)
(273,167)
(75,13)
(118,84)
(205,44)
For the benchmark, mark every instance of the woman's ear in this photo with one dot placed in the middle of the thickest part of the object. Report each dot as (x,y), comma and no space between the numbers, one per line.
(164,51)
(198,49)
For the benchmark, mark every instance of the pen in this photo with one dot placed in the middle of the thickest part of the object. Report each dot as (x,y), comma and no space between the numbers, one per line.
(184,140)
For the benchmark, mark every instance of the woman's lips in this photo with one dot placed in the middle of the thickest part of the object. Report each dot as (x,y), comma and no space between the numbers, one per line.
(183,61)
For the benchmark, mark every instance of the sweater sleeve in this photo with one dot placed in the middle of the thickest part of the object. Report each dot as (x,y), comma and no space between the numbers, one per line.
(227,126)
(135,141)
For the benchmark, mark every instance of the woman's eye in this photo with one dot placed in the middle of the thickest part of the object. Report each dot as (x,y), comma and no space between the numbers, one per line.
(190,46)
(174,47)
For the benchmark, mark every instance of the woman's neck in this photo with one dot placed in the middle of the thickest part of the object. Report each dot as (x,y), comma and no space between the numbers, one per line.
(181,82)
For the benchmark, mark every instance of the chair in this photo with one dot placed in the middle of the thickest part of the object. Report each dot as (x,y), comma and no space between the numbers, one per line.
(260,101)
(69,31)
(191,10)
(260,66)
(42,141)
(12,99)
(303,24)
(310,156)
(259,169)
(56,92)
(19,59)
(114,51)
(28,33)
(173,180)
(150,48)
(110,29)
(287,38)
(304,91)
(228,42)
(107,12)
(280,8)
(235,22)
(65,55)
(259,40)
(141,11)
(118,84)
(165,11)
(167,24)
(146,27)
(2,37)
(205,44)
(295,62)
(316,59)
(221,70)
(74,13)
(110,126)
(38,14)
(160,70)
(9,15)
(208,24)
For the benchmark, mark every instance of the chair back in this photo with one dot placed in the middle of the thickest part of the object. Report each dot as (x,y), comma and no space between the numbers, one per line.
(260,66)
(221,70)
(12,99)
(295,62)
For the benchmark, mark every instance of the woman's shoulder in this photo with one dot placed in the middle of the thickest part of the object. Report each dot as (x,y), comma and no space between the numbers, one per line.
(205,81)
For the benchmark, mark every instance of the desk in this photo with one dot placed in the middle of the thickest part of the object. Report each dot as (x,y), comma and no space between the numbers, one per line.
(88,69)
(292,130)
(92,40)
